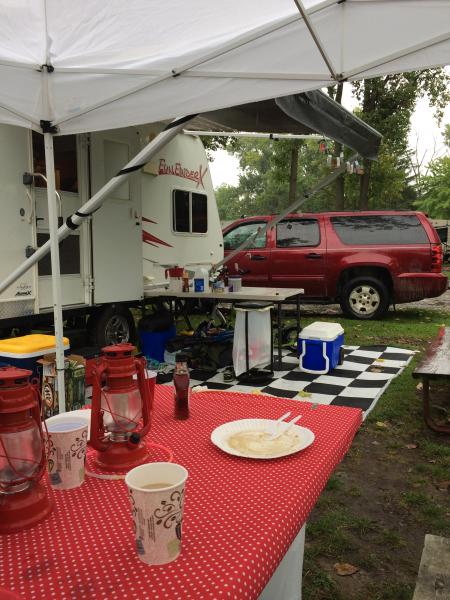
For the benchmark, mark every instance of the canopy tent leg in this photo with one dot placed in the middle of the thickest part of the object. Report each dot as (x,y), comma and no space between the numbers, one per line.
(56,275)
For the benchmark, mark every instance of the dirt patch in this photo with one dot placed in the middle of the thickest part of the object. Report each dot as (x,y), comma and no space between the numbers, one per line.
(385,496)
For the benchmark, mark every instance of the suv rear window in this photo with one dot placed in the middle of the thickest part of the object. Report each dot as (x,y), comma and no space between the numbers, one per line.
(380,229)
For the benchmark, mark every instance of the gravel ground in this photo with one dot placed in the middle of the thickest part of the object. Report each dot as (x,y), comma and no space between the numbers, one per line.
(442,303)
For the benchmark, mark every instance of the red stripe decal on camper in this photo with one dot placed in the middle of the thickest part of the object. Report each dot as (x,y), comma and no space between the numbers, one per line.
(148,238)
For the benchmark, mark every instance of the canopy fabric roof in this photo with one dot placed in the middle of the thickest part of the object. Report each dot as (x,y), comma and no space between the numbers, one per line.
(87,66)
(310,112)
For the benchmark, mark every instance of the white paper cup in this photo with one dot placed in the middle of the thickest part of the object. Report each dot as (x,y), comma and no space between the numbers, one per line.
(67,441)
(157,513)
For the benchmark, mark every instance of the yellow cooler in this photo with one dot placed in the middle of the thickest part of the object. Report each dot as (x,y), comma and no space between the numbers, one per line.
(24,351)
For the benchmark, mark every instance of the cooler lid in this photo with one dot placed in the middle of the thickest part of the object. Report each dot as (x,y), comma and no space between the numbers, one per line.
(27,346)
(326,332)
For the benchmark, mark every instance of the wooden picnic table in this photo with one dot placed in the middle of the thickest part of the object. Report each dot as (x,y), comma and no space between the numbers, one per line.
(434,365)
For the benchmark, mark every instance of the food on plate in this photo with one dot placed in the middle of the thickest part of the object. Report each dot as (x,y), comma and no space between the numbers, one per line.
(260,443)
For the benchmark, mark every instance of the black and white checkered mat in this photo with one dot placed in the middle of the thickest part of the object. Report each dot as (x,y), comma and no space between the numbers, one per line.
(359,382)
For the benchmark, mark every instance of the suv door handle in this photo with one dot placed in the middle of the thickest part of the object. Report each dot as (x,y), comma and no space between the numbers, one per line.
(314,255)
(257,257)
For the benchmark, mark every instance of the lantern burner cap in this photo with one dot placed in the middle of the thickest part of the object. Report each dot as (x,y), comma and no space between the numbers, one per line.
(118,350)
(12,376)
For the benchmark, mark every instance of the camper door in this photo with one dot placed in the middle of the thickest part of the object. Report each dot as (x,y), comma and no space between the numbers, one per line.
(116,227)
(71,186)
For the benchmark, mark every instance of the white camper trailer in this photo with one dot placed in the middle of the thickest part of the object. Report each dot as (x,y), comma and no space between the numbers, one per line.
(163,215)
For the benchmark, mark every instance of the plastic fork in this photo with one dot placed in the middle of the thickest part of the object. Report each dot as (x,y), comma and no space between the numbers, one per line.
(290,424)
(274,424)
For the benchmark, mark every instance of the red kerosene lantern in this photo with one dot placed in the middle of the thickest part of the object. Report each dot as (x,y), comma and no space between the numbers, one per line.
(120,401)
(23,500)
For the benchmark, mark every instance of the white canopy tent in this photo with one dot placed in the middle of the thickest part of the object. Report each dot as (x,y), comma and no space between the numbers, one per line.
(87,66)
(72,67)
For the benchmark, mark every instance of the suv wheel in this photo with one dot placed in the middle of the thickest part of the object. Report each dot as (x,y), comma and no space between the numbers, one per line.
(364,298)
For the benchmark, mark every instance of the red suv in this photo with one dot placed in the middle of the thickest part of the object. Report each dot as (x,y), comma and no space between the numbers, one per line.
(363,260)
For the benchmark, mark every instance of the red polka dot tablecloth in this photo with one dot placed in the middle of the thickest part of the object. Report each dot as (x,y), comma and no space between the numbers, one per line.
(241,515)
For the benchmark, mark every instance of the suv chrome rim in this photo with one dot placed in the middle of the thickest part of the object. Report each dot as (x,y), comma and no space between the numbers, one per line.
(364,300)
(117,330)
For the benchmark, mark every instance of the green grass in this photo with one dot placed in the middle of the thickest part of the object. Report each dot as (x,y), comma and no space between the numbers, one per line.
(388,591)
(411,328)
(391,539)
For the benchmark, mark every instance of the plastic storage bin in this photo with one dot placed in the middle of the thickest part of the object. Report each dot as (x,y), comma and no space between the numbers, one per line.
(319,347)
(24,351)
(153,343)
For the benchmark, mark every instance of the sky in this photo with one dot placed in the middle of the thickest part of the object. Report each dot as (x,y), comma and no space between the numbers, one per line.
(425,134)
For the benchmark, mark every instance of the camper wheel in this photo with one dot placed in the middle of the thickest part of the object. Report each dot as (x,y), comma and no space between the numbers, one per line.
(111,325)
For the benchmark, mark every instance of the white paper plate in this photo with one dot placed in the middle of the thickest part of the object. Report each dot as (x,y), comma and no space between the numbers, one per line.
(221,434)
(84,414)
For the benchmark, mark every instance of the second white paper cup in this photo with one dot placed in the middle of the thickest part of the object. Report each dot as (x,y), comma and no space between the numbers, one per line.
(66,453)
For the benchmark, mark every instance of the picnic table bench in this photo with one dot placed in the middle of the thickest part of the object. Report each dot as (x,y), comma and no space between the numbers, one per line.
(433,581)
(434,365)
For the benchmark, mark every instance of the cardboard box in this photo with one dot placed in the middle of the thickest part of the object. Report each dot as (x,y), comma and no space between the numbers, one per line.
(74,376)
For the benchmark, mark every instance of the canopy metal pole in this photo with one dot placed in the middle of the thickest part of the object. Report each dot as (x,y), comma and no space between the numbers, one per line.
(315,37)
(56,277)
(73,222)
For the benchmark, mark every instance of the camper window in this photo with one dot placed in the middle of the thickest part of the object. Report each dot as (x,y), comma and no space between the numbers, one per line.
(65,148)
(190,212)
(69,254)
(199,213)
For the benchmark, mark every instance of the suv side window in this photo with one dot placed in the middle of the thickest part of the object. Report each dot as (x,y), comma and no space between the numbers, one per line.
(380,229)
(296,233)
(234,238)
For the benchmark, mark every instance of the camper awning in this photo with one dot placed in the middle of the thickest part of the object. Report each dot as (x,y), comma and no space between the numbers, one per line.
(310,112)
(88,66)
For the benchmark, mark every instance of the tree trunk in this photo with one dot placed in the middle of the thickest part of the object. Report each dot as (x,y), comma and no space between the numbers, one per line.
(293,174)
(339,185)
(364,186)
(368,106)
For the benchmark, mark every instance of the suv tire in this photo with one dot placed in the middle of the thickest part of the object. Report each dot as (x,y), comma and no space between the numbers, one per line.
(111,325)
(364,298)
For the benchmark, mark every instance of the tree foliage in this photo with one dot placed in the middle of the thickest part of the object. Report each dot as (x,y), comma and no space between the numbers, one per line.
(387,104)
(435,186)
(436,190)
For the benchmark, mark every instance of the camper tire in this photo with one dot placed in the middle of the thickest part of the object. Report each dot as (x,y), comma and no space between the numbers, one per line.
(111,325)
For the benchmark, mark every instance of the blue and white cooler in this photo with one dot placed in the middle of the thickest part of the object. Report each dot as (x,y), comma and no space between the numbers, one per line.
(319,347)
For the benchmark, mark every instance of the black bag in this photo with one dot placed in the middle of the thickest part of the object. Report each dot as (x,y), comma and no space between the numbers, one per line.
(212,355)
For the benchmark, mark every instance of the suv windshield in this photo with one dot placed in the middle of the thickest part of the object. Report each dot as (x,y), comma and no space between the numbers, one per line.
(234,238)
(380,229)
